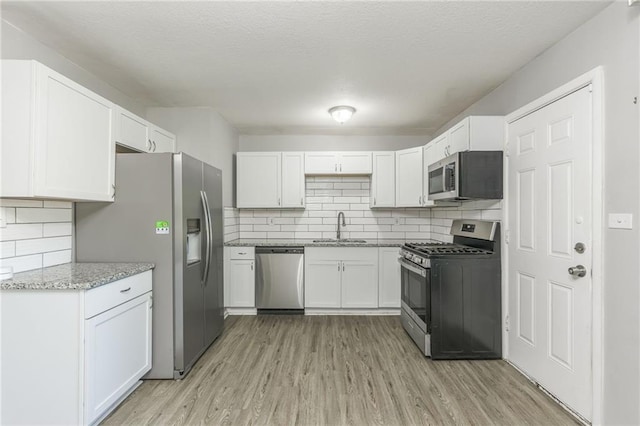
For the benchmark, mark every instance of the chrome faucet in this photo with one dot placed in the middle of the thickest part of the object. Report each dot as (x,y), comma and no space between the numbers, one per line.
(343,224)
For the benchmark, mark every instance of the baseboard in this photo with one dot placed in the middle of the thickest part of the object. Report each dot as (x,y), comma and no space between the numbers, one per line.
(240,311)
(323,311)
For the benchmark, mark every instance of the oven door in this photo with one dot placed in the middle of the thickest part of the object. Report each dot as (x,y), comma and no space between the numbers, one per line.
(416,293)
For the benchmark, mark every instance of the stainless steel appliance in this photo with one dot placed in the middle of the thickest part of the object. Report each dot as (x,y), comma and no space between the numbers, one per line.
(280,279)
(167,210)
(451,293)
(466,175)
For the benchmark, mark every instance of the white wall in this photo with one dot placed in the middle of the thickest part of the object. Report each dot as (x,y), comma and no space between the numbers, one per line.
(19,45)
(205,135)
(328,142)
(610,39)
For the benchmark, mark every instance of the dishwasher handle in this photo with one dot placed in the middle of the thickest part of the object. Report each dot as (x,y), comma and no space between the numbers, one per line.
(279,250)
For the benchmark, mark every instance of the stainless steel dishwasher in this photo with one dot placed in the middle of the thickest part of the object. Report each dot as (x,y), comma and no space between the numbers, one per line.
(280,279)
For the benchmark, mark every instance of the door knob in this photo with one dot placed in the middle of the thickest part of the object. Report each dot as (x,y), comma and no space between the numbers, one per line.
(578,271)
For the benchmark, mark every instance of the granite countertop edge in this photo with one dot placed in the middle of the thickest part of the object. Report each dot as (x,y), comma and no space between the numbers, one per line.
(256,242)
(74,276)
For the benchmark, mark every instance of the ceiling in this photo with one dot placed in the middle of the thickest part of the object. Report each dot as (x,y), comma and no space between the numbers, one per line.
(277,67)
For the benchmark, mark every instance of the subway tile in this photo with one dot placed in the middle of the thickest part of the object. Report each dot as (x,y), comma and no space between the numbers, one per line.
(328,193)
(453,214)
(321,228)
(266,228)
(245,228)
(364,235)
(283,220)
(492,214)
(319,185)
(333,234)
(42,245)
(7,249)
(21,231)
(391,235)
(387,221)
(309,221)
(319,200)
(314,207)
(9,202)
(57,229)
(472,214)
(245,213)
(355,192)
(405,228)
(23,263)
(8,214)
(280,235)
(416,221)
(253,220)
(28,215)
(354,213)
(377,228)
(352,228)
(346,199)
(293,213)
(365,185)
(335,207)
(266,213)
(308,235)
(294,228)
(377,213)
(323,213)
(56,258)
(425,228)
(58,204)
(359,207)
(364,220)
(347,185)
(253,235)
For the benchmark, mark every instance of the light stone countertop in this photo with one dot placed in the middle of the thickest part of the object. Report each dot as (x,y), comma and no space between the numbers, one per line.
(262,242)
(73,276)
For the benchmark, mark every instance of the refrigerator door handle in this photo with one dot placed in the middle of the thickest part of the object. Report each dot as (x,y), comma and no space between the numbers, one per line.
(207,220)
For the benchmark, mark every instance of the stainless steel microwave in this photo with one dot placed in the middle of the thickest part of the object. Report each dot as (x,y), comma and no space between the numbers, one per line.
(469,175)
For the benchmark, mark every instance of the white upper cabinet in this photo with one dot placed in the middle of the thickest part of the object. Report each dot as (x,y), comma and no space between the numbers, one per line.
(258,179)
(474,133)
(140,135)
(342,163)
(429,152)
(409,183)
(162,140)
(57,136)
(270,180)
(383,180)
(293,180)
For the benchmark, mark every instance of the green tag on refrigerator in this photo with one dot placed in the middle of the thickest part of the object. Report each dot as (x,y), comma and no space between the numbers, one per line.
(162,227)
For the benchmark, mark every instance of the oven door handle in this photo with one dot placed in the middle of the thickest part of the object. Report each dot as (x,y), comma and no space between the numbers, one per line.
(413,268)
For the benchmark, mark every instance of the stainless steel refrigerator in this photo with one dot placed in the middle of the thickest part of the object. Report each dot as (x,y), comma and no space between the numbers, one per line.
(167,210)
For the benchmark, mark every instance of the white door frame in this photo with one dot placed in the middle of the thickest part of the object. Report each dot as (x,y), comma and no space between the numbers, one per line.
(595,78)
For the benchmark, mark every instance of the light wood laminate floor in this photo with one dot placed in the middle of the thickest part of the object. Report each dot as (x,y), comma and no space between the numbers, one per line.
(335,370)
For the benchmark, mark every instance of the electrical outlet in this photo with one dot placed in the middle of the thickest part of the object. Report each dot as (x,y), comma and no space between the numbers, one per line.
(270,221)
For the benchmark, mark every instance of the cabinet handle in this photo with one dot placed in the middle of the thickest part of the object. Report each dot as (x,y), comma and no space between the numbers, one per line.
(114,192)
(242,253)
(301,201)
(420,200)
(374,201)
(125,290)
(252,266)
(278,201)
(342,266)
(340,167)
(335,168)
(149,145)
(338,266)
(154,146)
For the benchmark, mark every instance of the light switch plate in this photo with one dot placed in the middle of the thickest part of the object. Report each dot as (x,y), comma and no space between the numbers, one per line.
(620,221)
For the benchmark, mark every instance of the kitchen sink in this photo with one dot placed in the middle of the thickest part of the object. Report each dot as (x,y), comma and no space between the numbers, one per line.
(341,240)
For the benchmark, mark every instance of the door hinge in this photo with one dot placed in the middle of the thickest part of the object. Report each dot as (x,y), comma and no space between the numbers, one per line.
(506,323)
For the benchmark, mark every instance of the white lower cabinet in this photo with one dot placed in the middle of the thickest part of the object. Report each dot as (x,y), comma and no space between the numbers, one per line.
(70,356)
(343,277)
(239,277)
(388,277)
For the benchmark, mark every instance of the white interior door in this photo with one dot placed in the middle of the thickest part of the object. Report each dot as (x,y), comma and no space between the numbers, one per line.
(550,207)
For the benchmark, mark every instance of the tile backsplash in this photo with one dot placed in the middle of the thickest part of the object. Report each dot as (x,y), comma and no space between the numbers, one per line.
(325,197)
(38,233)
(328,195)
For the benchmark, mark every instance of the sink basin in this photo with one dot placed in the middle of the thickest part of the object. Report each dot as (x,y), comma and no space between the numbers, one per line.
(341,240)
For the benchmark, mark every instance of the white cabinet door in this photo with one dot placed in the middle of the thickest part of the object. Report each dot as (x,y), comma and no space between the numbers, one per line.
(322,283)
(258,182)
(117,353)
(293,180)
(428,154)
(57,137)
(318,163)
(388,277)
(439,148)
(354,163)
(409,177)
(459,137)
(383,180)
(359,284)
(132,131)
(162,141)
(241,287)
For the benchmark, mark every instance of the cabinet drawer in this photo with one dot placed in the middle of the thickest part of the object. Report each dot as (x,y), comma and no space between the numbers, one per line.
(237,253)
(113,294)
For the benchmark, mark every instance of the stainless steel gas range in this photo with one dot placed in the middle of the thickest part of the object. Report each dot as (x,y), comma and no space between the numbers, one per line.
(451,293)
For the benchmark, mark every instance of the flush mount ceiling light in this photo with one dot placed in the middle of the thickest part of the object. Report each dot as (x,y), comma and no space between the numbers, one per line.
(342,113)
